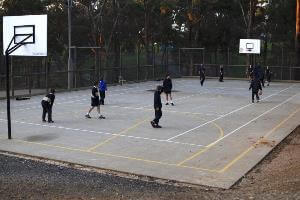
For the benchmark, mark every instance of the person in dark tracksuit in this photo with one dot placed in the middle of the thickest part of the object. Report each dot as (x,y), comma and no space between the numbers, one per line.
(95,102)
(47,104)
(202,74)
(167,85)
(221,73)
(249,72)
(102,89)
(255,86)
(157,107)
(268,75)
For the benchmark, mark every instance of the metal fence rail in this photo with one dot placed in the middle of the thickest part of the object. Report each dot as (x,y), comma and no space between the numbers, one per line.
(35,75)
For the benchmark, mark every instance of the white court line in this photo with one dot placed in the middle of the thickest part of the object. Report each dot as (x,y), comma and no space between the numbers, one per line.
(222,116)
(86,95)
(178,99)
(268,111)
(69,102)
(100,132)
(171,111)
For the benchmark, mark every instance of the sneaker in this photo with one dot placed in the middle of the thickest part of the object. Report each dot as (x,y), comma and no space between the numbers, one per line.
(50,121)
(88,116)
(157,126)
(167,103)
(172,104)
(257,101)
(44,120)
(153,124)
(101,117)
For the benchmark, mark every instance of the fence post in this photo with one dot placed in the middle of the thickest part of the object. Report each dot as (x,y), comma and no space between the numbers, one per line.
(179,67)
(290,72)
(153,61)
(29,79)
(121,66)
(228,56)
(138,63)
(46,73)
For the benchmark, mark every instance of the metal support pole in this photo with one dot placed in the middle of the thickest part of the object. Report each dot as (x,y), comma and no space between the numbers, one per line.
(153,61)
(8,95)
(12,77)
(179,67)
(70,70)
(138,63)
(46,74)
(121,66)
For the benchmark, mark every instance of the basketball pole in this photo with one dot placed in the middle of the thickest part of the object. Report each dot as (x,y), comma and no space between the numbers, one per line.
(8,51)
(8,95)
(70,67)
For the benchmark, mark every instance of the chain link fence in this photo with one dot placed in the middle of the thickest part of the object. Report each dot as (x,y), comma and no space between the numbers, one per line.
(36,75)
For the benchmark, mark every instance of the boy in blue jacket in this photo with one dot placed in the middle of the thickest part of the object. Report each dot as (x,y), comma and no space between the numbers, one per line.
(102,89)
(95,103)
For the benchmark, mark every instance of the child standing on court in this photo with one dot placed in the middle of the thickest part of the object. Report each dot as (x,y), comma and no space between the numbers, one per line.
(221,73)
(47,104)
(268,75)
(102,89)
(95,102)
(255,86)
(202,74)
(167,85)
(157,107)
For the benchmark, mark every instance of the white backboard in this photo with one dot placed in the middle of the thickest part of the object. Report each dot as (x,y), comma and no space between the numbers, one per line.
(21,26)
(250,46)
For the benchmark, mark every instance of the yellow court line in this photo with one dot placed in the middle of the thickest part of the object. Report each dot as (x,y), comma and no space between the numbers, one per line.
(220,130)
(118,135)
(205,149)
(193,156)
(112,155)
(257,142)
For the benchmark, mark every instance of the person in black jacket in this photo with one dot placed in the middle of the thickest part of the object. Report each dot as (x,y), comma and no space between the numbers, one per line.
(157,107)
(47,104)
(221,73)
(202,74)
(167,85)
(255,86)
(95,102)
(268,75)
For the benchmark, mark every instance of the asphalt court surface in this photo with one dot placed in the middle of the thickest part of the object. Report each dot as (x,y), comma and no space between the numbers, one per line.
(212,136)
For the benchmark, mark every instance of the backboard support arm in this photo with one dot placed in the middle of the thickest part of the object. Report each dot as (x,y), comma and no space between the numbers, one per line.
(8,51)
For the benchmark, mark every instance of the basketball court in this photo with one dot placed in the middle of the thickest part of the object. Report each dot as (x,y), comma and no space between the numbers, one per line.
(212,136)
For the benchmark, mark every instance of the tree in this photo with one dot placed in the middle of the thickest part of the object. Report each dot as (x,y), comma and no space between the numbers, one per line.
(297,37)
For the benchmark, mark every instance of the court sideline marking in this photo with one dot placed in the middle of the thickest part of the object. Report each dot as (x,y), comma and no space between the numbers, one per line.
(258,142)
(99,132)
(131,158)
(227,135)
(225,115)
(118,135)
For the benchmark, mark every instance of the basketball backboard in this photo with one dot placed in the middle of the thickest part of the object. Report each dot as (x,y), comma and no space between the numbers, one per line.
(250,46)
(28,30)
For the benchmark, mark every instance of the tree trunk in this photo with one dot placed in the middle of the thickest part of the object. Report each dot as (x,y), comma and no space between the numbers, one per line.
(297,37)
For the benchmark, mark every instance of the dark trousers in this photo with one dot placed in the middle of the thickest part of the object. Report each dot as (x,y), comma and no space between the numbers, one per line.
(46,109)
(262,82)
(158,115)
(255,94)
(202,79)
(102,97)
(221,78)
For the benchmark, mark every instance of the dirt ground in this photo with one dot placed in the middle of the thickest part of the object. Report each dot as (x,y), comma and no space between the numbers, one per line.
(276,177)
